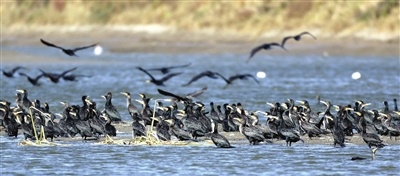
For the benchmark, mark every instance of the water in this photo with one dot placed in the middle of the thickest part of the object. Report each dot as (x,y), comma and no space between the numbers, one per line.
(288,76)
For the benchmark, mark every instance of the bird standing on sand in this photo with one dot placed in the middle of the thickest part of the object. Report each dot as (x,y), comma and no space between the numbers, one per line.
(69,52)
(266,46)
(296,37)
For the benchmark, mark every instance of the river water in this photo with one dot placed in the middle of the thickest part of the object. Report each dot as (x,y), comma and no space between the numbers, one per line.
(300,77)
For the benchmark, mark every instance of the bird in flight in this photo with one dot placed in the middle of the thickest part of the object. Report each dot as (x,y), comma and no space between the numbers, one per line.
(296,37)
(10,73)
(237,77)
(33,80)
(187,98)
(207,73)
(69,52)
(166,70)
(265,46)
(55,77)
(158,82)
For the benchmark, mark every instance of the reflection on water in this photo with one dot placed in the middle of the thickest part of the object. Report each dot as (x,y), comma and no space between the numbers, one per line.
(287,76)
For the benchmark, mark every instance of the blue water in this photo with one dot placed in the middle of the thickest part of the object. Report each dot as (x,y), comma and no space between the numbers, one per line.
(288,76)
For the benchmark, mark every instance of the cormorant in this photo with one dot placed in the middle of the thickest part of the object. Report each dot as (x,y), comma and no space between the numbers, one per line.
(207,73)
(132,109)
(73,77)
(110,108)
(296,37)
(166,70)
(34,81)
(54,77)
(138,129)
(236,77)
(187,99)
(24,103)
(158,82)
(265,46)
(69,52)
(219,140)
(10,73)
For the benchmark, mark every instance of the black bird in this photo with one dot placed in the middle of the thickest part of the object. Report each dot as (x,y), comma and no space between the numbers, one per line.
(207,73)
(187,99)
(55,77)
(158,82)
(110,109)
(296,37)
(236,77)
(69,52)
(73,77)
(10,73)
(219,140)
(34,81)
(166,70)
(266,46)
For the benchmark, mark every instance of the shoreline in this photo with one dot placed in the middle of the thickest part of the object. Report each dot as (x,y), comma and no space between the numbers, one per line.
(235,138)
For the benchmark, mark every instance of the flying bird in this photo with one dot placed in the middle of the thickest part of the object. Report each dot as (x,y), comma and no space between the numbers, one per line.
(10,73)
(166,70)
(237,77)
(186,99)
(265,46)
(158,82)
(296,37)
(207,73)
(69,52)
(33,80)
(55,77)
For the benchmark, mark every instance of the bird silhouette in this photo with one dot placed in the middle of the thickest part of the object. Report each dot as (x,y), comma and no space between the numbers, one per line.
(158,82)
(265,46)
(166,70)
(69,52)
(207,73)
(55,77)
(296,37)
(237,77)
(33,80)
(187,98)
(10,73)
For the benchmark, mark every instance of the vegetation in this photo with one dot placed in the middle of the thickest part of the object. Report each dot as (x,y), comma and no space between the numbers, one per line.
(252,18)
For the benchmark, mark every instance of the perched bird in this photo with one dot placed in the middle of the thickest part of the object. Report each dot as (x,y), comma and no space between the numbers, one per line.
(207,73)
(55,77)
(236,77)
(33,80)
(158,82)
(265,46)
(219,140)
(110,109)
(69,52)
(10,73)
(296,37)
(166,70)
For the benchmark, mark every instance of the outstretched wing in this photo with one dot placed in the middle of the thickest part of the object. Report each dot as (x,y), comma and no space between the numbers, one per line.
(81,48)
(284,41)
(227,81)
(145,71)
(50,44)
(67,71)
(165,78)
(200,75)
(165,93)
(254,51)
(251,76)
(196,93)
(180,66)
(305,32)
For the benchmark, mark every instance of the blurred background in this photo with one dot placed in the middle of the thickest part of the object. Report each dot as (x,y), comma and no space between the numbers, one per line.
(370,19)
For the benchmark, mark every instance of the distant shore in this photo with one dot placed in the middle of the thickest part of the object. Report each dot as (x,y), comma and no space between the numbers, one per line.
(128,40)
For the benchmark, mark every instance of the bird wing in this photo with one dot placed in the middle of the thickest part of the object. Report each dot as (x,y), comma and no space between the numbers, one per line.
(165,93)
(50,44)
(81,48)
(254,51)
(166,69)
(180,66)
(165,78)
(251,76)
(227,81)
(145,71)
(284,40)
(197,92)
(305,32)
(67,71)
(17,68)
(200,75)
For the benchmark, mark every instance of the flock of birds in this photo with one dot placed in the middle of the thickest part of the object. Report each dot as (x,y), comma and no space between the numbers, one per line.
(186,119)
